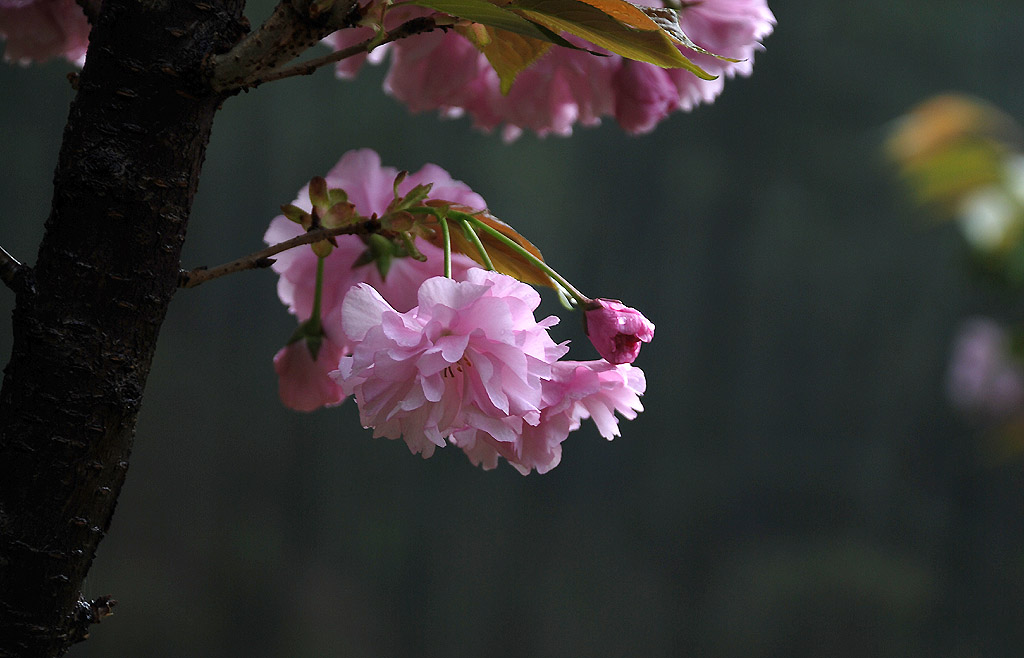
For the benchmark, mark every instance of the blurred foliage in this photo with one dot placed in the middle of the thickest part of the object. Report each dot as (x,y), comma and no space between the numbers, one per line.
(962,157)
(796,487)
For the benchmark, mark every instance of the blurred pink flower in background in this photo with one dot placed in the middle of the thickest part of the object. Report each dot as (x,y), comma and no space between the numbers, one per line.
(37,30)
(984,376)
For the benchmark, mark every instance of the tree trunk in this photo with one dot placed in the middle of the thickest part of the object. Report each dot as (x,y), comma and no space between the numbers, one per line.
(86,321)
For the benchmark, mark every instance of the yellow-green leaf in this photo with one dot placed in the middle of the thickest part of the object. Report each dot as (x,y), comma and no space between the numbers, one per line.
(588,22)
(486,13)
(625,12)
(508,53)
(504,258)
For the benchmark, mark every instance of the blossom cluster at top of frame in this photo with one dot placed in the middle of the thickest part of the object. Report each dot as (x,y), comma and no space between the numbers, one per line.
(444,71)
(432,359)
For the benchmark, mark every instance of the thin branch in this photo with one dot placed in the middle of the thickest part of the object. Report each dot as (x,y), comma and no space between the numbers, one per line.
(293,27)
(12,273)
(406,29)
(263,258)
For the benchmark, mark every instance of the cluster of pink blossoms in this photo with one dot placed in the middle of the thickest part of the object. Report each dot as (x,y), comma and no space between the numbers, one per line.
(304,384)
(37,30)
(433,359)
(444,71)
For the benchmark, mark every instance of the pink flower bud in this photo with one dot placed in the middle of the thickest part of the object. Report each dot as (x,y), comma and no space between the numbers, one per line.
(616,330)
(303,383)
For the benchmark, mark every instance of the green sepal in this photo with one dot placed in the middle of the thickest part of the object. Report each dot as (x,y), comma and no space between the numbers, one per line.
(318,194)
(380,251)
(413,197)
(340,214)
(296,214)
(312,332)
(398,181)
(410,247)
(336,196)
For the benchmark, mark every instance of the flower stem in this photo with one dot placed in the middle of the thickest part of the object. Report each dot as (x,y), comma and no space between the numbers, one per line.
(314,318)
(446,236)
(475,239)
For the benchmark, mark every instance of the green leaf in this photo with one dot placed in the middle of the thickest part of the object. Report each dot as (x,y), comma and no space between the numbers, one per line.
(507,52)
(486,13)
(586,21)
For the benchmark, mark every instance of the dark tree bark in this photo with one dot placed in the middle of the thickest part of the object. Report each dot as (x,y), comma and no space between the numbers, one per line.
(88,314)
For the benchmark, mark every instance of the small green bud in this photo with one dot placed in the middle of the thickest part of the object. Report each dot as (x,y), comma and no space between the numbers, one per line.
(399,221)
(337,196)
(340,214)
(398,181)
(318,194)
(297,215)
(322,248)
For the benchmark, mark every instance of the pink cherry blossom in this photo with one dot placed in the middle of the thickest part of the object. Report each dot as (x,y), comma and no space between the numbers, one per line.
(577,390)
(644,95)
(730,28)
(469,356)
(437,70)
(443,71)
(370,189)
(616,330)
(303,383)
(37,30)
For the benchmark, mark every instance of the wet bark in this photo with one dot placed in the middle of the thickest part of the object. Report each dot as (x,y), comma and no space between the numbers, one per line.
(88,314)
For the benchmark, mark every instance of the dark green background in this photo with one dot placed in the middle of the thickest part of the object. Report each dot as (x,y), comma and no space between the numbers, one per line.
(797,486)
